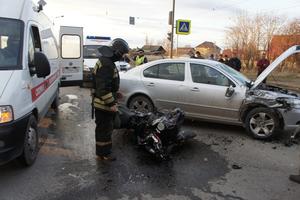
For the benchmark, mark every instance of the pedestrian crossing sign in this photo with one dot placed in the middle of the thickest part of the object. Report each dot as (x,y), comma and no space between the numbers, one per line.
(183,27)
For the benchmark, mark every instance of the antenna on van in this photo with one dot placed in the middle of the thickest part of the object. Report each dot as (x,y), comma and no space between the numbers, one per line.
(40,6)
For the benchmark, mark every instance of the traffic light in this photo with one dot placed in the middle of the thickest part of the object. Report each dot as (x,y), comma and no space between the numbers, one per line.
(169,36)
(131,20)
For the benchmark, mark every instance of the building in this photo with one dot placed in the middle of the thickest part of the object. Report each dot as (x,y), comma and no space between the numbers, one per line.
(183,51)
(154,50)
(280,43)
(207,48)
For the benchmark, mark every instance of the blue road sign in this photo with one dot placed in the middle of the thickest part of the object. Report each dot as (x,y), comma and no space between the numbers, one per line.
(183,27)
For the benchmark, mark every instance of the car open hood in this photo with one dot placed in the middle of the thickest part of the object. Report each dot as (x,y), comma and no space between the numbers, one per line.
(275,64)
(4,78)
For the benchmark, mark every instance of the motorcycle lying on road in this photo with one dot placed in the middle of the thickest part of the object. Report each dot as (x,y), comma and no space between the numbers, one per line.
(158,132)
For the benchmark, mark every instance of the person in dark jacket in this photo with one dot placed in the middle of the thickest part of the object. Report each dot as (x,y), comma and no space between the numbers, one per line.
(235,62)
(191,53)
(262,64)
(221,59)
(198,55)
(106,86)
(226,60)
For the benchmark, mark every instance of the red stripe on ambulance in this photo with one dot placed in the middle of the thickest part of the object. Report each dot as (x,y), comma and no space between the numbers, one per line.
(37,91)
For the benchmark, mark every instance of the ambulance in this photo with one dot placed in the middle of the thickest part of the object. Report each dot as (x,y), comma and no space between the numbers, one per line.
(33,65)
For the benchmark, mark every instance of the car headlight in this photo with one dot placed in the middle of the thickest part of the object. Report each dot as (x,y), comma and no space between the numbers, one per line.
(295,103)
(291,102)
(6,114)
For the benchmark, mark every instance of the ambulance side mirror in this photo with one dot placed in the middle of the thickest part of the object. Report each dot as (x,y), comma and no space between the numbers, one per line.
(41,64)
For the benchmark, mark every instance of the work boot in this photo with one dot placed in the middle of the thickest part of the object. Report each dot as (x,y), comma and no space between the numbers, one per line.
(106,158)
(295,178)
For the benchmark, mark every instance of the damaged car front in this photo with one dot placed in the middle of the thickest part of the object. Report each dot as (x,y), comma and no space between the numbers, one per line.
(268,110)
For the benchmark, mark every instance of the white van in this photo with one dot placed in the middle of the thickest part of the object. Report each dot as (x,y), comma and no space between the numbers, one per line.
(29,76)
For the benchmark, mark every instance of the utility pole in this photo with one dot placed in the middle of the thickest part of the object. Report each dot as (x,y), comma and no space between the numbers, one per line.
(172,33)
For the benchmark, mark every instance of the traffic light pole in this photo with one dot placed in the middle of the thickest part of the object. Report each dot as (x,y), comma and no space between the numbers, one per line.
(172,33)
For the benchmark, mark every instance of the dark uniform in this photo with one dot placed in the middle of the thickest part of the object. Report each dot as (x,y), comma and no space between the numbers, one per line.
(106,85)
(235,63)
(106,77)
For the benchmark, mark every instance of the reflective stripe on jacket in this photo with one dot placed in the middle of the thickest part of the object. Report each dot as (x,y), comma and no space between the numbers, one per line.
(106,84)
(139,60)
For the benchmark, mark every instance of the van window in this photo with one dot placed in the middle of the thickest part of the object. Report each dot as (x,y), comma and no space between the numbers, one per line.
(11,34)
(91,51)
(34,44)
(30,51)
(70,46)
(49,48)
(36,39)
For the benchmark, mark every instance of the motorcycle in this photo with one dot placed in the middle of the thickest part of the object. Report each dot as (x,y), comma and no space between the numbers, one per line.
(157,132)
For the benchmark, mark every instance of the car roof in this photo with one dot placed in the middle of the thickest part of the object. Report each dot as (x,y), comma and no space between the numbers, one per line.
(205,61)
(168,60)
(200,61)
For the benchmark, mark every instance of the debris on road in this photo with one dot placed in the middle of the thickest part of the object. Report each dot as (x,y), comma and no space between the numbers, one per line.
(235,166)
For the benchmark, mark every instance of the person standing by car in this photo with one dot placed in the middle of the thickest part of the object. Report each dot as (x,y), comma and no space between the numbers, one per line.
(140,58)
(235,62)
(198,55)
(106,86)
(211,57)
(221,59)
(191,54)
(226,60)
(262,64)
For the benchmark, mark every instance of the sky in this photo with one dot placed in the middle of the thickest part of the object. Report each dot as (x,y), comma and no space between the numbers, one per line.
(209,18)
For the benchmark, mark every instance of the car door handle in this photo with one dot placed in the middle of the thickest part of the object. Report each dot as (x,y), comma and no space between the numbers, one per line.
(151,84)
(195,89)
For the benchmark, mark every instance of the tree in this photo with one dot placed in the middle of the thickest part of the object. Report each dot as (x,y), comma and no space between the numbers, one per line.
(252,34)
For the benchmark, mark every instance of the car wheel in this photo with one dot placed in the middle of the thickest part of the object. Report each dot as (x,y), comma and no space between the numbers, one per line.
(262,123)
(141,103)
(31,142)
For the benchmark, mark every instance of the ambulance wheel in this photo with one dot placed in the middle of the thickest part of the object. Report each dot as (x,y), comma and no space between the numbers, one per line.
(31,143)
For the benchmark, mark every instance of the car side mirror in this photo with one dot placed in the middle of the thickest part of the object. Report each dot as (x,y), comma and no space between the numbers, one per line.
(230,91)
(41,65)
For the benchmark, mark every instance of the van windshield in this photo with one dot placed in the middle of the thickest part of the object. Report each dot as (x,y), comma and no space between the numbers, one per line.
(91,51)
(11,33)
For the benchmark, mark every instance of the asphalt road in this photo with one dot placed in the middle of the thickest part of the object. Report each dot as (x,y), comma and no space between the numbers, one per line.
(205,168)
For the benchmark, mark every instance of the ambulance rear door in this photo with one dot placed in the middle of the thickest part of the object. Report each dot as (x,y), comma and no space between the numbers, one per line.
(71,55)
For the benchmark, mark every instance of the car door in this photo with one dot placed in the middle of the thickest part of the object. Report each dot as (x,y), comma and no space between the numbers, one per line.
(163,83)
(206,91)
(71,55)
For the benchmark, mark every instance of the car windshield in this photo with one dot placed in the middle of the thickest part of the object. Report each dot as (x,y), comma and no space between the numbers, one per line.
(11,32)
(240,77)
(91,51)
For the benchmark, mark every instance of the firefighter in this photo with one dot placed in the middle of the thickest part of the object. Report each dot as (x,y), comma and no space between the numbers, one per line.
(106,86)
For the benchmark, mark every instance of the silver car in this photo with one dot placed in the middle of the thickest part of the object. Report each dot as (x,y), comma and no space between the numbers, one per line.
(210,90)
